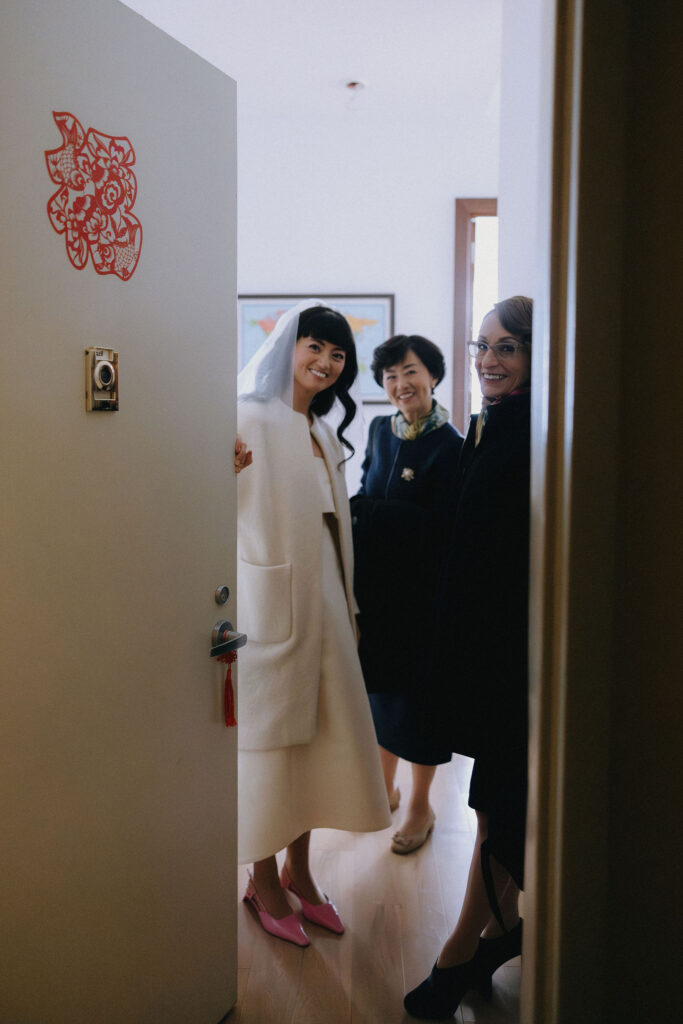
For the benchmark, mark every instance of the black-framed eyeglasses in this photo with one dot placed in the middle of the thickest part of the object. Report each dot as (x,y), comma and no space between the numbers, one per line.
(504,350)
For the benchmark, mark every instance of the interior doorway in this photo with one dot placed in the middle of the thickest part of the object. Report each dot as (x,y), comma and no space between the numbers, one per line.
(475,290)
(484,287)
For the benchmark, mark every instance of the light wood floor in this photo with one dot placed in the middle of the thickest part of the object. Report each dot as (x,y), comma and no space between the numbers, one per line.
(397,910)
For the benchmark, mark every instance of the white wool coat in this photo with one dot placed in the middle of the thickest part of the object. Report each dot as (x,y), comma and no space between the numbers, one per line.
(279,544)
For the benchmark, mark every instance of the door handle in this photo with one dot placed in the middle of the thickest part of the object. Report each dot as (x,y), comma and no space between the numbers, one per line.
(224,638)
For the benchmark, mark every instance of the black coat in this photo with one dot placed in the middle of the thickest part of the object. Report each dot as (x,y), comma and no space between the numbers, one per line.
(484,592)
(401,521)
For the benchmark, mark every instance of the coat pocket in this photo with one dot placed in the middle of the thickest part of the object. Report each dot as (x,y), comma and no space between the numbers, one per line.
(265,602)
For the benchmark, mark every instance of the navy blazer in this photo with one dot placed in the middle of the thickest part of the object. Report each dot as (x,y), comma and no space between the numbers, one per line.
(402,518)
(420,471)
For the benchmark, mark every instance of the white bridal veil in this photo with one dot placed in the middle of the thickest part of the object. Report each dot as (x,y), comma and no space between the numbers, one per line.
(270,372)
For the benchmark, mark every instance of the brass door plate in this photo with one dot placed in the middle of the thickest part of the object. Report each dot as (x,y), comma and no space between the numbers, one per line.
(101,379)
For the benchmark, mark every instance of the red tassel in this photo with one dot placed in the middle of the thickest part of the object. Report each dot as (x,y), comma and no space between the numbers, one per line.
(229,696)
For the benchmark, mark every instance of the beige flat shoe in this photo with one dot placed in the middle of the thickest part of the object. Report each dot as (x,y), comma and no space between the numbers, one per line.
(394,799)
(401,843)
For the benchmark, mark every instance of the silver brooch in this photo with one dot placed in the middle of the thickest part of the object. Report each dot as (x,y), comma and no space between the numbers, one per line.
(407,473)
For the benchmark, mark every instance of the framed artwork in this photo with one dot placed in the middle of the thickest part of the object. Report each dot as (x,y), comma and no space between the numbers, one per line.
(371,318)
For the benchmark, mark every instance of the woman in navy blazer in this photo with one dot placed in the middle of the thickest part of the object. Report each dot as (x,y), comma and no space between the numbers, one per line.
(401,518)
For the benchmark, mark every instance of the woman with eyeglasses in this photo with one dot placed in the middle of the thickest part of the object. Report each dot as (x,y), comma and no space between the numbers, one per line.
(483,660)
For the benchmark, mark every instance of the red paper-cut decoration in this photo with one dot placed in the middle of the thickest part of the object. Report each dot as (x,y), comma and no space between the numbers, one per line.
(96,195)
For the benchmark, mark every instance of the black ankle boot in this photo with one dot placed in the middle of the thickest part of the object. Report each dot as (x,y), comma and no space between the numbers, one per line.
(439,995)
(492,954)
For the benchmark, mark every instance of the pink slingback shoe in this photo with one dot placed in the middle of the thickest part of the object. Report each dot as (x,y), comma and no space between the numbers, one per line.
(287,928)
(324,914)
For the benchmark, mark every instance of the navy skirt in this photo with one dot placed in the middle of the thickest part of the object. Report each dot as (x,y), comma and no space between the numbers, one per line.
(407,725)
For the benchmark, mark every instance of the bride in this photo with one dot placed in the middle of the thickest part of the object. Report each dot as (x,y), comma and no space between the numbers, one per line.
(307,750)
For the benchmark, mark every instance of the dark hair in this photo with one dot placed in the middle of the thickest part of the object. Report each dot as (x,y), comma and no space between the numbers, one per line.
(395,349)
(326,324)
(516,315)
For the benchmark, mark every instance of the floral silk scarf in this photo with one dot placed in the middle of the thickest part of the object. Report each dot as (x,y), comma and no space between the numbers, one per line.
(411,431)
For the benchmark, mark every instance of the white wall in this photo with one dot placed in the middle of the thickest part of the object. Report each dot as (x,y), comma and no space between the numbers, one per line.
(518,185)
(343,194)
(339,195)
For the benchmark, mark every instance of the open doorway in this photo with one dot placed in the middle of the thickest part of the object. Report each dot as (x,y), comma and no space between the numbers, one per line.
(484,286)
(475,291)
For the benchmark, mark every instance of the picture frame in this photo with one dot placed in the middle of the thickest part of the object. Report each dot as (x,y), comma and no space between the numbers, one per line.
(371,318)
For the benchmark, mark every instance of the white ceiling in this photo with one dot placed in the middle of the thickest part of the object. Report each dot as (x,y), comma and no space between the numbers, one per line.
(421,59)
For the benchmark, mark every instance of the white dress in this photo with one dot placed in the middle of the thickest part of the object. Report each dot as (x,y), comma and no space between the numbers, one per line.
(336,780)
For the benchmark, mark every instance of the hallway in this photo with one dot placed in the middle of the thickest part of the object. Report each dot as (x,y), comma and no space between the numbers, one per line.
(397,911)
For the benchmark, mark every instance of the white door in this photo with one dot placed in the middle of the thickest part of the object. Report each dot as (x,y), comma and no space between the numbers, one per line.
(117,787)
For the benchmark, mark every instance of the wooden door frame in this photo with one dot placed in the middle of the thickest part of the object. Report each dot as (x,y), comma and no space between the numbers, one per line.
(577,327)
(465,212)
